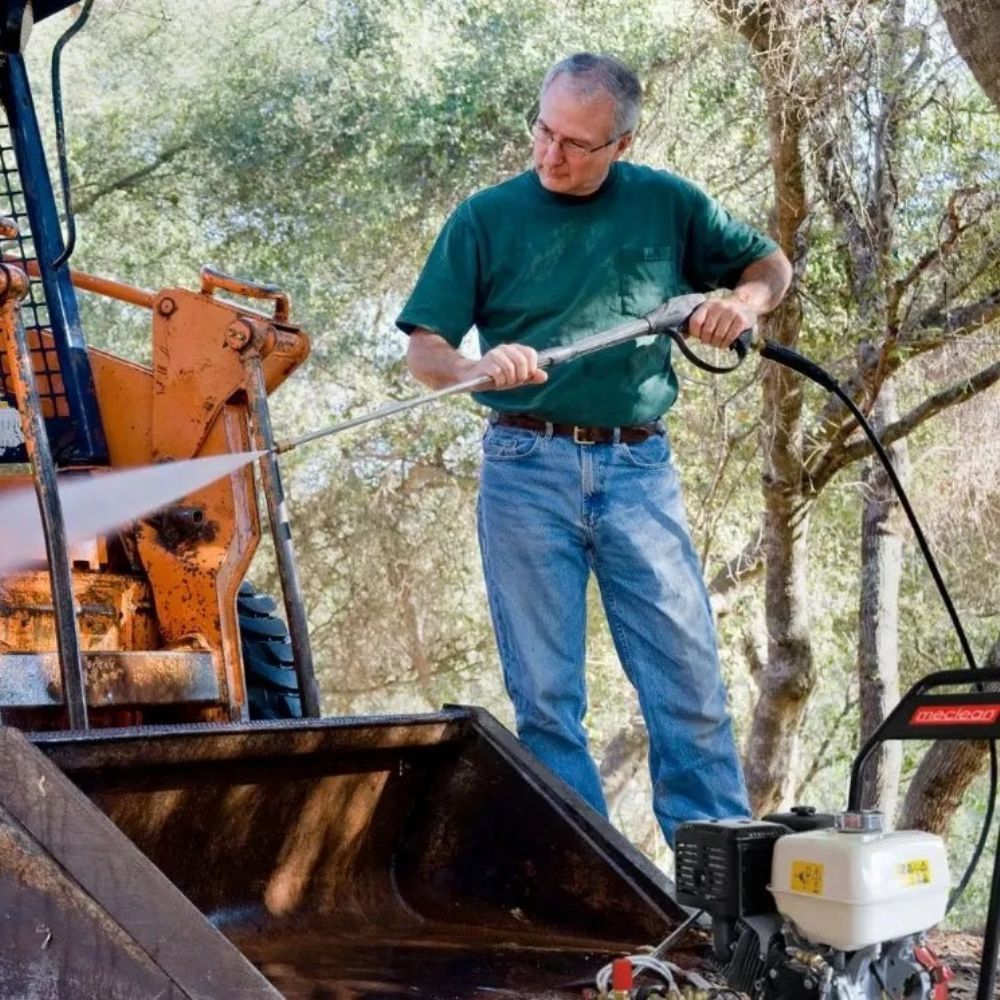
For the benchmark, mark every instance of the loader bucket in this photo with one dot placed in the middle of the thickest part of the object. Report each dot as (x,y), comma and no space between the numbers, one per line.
(422,856)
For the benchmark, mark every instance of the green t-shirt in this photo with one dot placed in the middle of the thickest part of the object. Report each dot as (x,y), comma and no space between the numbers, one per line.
(523,264)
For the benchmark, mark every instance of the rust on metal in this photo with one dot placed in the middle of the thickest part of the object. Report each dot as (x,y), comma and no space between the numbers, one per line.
(14,286)
(51,924)
(112,678)
(281,531)
(115,611)
(213,280)
(183,527)
(193,403)
(183,569)
(239,334)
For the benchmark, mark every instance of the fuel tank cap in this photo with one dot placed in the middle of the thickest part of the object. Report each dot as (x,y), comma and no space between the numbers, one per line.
(864,821)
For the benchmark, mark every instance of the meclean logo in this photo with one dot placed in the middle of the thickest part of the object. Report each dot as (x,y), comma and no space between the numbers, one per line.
(955,715)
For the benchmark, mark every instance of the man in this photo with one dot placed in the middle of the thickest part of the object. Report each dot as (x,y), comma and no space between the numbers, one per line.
(576,473)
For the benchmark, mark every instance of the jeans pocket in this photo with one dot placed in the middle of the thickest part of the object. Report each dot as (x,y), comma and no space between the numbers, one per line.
(653,453)
(507,444)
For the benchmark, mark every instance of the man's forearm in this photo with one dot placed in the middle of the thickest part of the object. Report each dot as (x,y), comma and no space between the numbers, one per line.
(433,361)
(763,283)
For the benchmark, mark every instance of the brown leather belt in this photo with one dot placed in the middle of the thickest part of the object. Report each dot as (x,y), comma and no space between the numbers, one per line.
(581,435)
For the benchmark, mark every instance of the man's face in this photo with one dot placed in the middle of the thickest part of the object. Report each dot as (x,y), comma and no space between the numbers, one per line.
(588,122)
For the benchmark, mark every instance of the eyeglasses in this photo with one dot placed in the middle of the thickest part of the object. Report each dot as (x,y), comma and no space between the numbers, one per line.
(572,149)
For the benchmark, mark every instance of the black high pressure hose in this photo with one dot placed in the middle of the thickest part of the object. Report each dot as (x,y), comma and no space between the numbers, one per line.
(796,362)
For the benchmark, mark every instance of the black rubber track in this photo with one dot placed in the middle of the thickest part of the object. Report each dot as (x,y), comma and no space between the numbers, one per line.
(272,687)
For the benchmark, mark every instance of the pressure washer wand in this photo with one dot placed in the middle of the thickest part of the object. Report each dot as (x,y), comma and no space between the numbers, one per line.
(389,410)
(667,318)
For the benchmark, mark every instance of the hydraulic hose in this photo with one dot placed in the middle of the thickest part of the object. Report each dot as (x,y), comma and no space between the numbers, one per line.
(61,133)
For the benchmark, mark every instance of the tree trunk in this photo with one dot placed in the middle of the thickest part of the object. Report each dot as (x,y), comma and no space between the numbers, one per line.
(623,759)
(878,618)
(974,26)
(943,777)
(788,677)
(939,785)
(863,198)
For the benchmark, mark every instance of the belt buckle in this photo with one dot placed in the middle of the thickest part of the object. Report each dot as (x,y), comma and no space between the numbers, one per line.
(581,440)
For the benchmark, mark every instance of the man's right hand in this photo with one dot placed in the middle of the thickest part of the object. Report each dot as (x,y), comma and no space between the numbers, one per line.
(510,365)
(436,363)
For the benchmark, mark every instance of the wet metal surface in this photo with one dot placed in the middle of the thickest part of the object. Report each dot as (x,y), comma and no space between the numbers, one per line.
(418,856)
(182,527)
(437,963)
(281,532)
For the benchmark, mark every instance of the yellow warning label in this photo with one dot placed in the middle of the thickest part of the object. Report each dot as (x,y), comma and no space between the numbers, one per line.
(916,872)
(807,876)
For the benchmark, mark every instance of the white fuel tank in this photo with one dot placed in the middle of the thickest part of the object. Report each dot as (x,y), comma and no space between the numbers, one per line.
(850,888)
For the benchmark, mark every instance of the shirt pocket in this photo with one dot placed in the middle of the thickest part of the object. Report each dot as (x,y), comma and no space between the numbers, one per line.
(647,277)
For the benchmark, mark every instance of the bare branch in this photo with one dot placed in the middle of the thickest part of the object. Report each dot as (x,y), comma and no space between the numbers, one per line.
(955,228)
(835,180)
(753,22)
(820,759)
(730,580)
(835,423)
(953,395)
(827,451)
(957,322)
(623,757)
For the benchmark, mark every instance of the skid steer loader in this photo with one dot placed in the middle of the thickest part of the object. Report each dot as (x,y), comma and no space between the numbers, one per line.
(176,819)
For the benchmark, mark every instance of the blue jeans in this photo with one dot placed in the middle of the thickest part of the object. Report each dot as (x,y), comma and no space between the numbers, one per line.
(550,511)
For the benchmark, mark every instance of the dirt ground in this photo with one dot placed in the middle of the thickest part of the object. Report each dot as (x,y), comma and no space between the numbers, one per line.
(961,952)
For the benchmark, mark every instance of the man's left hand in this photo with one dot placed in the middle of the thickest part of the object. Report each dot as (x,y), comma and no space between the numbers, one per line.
(718,322)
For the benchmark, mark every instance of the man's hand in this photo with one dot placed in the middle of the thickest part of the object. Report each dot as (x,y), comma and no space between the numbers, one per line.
(436,363)
(718,322)
(510,365)
(761,287)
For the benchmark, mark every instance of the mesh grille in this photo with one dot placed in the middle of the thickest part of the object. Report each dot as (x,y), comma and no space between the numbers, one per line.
(34,311)
(703,870)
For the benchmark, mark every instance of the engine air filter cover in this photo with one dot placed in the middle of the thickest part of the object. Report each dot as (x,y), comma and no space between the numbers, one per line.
(723,866)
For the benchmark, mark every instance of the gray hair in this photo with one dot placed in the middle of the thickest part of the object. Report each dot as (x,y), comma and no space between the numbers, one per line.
(589,74)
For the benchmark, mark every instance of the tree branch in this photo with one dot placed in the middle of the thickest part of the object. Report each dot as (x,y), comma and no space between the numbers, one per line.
(827,449)
(820,759)
(835,423)
(955,228)
(735,574)
(957,322)
(129,181)
(953,395)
